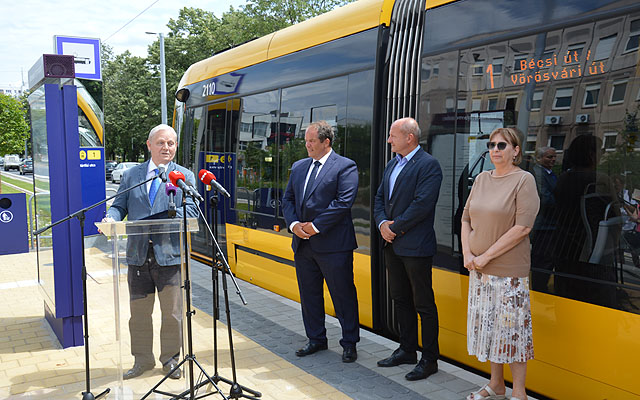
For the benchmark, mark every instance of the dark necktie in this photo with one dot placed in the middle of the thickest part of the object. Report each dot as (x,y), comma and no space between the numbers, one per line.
(153,190)
(312,179)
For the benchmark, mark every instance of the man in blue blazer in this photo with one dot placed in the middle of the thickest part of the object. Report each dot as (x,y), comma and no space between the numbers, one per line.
(317,208)
(153,260)
(404,213)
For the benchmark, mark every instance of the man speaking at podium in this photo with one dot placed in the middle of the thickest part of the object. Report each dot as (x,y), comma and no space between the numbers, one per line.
(153,266)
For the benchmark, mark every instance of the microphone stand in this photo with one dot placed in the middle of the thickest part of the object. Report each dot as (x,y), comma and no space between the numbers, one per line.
(217,256)
(190,357)
(80,215)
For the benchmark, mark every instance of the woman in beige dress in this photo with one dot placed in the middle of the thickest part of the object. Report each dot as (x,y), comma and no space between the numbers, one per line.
(496,222)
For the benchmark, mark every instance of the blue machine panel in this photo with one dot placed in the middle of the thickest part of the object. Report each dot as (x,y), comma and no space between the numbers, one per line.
(13,224)
(54,111)
(93,186)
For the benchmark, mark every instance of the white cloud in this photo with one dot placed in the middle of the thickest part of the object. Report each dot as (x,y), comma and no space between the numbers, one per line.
(29,27)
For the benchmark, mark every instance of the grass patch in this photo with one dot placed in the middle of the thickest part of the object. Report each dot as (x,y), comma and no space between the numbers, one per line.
(6,189)
(28,186)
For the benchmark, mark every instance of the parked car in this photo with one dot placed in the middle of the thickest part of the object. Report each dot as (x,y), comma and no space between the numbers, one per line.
(108,168)
(26,166)
(11,161)
(116,174)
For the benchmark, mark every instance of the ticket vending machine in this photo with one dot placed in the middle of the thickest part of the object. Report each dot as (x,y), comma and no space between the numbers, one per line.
(58,171)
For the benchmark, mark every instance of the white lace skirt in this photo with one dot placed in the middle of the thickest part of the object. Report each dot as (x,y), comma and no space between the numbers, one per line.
(499,319)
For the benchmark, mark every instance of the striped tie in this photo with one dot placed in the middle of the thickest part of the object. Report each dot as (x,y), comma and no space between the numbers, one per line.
(153,190)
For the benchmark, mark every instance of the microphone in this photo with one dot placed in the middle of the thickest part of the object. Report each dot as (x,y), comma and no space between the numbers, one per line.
(162,172)
(178,179)
(171,191)
(208,178)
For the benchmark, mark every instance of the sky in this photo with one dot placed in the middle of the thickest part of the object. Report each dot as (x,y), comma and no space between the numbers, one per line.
(30,25)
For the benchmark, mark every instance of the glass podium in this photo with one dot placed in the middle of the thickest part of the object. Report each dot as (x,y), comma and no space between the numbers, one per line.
(156,298)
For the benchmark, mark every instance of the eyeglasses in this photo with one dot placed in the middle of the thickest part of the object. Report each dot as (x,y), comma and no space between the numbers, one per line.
(500,145)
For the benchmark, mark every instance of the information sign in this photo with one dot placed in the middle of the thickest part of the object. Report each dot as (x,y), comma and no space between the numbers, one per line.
(86,52)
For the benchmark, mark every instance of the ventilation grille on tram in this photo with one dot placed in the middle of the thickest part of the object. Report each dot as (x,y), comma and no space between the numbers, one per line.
(403,59)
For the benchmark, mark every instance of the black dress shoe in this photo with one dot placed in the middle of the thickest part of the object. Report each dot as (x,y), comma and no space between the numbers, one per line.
(137,370)
(423,370)
(169,366)
(398,357)
(349,355)
(311,348)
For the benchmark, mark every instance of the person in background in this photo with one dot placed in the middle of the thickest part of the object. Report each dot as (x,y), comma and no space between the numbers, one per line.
(317,208)
(153,260)
(585,197)
(497,218)
(542,232)
(404,211)
(629,212)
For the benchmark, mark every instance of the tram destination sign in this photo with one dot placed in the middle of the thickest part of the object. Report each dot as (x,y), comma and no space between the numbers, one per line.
(544,68)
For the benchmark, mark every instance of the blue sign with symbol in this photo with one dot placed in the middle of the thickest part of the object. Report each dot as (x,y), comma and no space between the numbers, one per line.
(13,224)
(86,52)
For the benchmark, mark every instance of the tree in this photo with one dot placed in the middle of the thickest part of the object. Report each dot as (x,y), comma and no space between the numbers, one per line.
(14,130)
(279,14)
(132,105)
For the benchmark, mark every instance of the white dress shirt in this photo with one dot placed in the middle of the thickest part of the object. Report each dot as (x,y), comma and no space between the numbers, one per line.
(322,160)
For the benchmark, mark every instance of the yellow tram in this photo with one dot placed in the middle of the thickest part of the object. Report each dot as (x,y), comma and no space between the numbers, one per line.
(555,69)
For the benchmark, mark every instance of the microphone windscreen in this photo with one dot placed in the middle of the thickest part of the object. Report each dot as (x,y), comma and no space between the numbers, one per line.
(175,176)
(206,176)
(170,188)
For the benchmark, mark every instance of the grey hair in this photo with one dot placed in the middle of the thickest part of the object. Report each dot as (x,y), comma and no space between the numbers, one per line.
(409,126)
(162,127)
(541,150)
(325,131)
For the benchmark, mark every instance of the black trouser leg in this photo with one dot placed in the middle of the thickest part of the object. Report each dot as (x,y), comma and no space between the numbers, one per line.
(411,289)
(310,282)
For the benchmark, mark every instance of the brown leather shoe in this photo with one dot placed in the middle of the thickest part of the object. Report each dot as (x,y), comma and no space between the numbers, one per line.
(137,370)
(423,370)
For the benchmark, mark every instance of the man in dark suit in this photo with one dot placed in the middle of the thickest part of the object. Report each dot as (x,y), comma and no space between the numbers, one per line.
(317,208)
(153,260)
(404,212)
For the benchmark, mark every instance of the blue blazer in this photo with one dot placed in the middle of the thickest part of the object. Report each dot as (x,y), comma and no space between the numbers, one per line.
(412,205)
(328,205)
(136,205)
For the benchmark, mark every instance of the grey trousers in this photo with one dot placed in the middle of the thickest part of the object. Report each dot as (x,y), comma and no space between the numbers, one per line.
(143,282)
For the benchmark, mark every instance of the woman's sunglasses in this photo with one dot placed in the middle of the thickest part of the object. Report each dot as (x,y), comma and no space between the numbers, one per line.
(500,145)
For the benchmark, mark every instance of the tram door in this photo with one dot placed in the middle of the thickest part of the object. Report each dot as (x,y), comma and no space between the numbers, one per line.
(221,128)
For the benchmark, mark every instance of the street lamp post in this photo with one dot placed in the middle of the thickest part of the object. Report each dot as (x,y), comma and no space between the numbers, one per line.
(163,78)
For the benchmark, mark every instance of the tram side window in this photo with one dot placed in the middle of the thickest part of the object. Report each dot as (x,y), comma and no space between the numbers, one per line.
(88,135)
(586,240)
(301,105)
(216,126)
(357,146)
(192,146)
(255,149)
(438,117)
